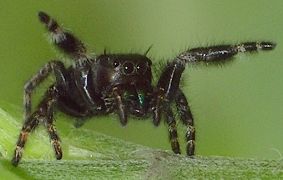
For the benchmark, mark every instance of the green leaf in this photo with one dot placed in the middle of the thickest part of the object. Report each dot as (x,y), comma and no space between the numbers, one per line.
(92,155)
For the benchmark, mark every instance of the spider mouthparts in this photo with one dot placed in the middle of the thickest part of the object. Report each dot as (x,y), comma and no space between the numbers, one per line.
(43,17)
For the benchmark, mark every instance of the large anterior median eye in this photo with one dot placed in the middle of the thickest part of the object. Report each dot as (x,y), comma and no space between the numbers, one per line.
(141,67)
(128,68)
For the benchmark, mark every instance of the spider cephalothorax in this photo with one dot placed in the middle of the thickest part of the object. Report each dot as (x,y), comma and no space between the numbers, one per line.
(120,83)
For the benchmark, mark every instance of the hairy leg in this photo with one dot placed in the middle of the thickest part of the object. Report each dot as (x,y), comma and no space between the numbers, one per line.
(168,84)
(31,121)
(170,77)
(187,119)
(44,113)
(172,129)
(64,40)
(73,47)
(46,109)
(221,53)
(30,124)
(53,66)
(166,88)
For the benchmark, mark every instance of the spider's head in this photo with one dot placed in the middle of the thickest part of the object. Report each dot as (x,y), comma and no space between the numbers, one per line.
(121,70)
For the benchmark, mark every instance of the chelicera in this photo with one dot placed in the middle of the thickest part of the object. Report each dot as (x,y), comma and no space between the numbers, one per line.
(119,83)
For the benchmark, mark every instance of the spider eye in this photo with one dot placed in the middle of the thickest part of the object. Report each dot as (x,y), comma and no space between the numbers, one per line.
(116,63)
(128,68)
(141,68)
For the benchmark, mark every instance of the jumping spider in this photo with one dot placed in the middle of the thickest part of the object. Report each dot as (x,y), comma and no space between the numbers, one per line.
(120,83)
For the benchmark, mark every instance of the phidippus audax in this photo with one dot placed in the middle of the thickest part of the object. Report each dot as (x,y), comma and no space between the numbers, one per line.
(120,83)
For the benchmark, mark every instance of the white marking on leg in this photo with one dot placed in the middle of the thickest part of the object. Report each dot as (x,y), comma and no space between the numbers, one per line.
(258,46)
(58,36)
(241,48)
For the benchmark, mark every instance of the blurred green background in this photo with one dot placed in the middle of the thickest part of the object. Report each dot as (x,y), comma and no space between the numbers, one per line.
(238,108)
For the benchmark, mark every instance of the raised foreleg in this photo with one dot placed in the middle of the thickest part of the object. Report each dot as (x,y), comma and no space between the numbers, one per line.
(168,90)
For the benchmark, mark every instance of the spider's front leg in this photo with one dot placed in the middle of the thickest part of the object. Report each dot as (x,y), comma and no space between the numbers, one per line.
(168,86)
(73,47)
(222,53)
(44,112)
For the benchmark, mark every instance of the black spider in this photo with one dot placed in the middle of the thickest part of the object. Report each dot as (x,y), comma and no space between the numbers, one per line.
(120,83)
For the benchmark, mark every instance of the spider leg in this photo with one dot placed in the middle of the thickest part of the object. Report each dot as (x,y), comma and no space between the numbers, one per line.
(31,120)
(30,124)
(46,111)
(157,106)
(64,40)
(187,119)
(168,85)
(43,113)
(172,129)
(223,52)
(57,67)
(73,47)
(120,106)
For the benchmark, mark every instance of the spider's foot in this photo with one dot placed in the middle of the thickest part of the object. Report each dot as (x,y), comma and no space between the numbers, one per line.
(43,17)
(255,46)
(175,146)
(50,23)
(191,148)
(266,45)
(190,138)
(58,155)
(57,149)
(17,156)
(15,161)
